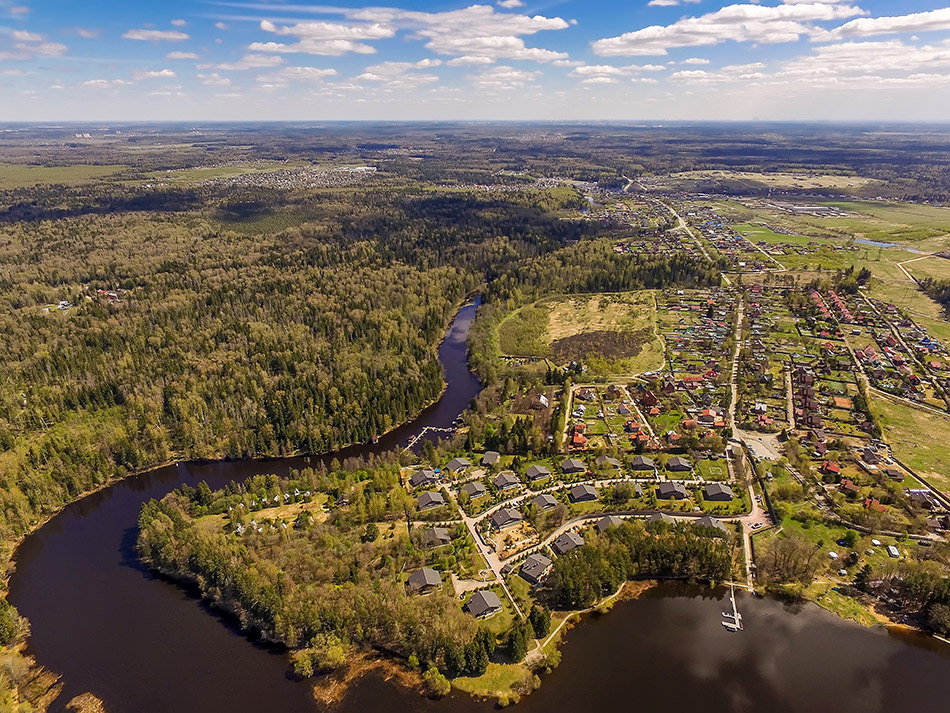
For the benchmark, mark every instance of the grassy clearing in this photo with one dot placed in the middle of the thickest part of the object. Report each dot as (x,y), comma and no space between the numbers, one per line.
(523,333)
(825,596)
(780,180)
(198,175)
(621,326)
(919,438)
(592,313)
(499,681)
(755,233)
(23,176)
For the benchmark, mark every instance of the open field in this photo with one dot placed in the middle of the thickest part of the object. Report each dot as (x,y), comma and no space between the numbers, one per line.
(201,174)
(24,176)
(919,438)
(922,227)
(778,180)
(620,329)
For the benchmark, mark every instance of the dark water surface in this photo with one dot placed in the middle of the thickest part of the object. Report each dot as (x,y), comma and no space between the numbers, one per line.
(668,653)
(145,645)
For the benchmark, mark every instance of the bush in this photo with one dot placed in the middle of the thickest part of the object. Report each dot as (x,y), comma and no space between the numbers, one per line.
(436,685)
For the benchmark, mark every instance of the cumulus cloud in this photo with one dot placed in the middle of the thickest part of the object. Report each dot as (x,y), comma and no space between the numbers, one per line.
(182,55)
(670,3)
(26,46)
(156,35)
(737,23)
(401,75)
(248,61)
(474,31)
(933,21)
(105,83)
(504,78)
(324,38)
(179,23)
(154,74)
(222,26)
(214,80)
(509,4)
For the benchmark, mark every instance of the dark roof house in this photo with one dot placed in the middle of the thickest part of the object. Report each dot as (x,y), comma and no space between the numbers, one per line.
(572,465)
(535,567)
(538,472)
(678,464)
(423,477)
(719,492)
(505,517)
(490,458)
(483,604)
(544,501)
(566,542)
(475,489)
(506,480)
(583,493)
(458,465)
(423,581)
(436,537)
(428,501)
(672,491)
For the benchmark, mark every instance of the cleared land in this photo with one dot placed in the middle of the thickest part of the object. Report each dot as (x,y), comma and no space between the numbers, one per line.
(201,174)
(615,331)
(919,438)
(779,180)
(25,176)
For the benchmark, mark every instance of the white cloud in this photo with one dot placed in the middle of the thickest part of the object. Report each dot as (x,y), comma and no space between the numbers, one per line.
(509,4)
(214,80)
(182,55)
(600,80)
(156,35)
(474,31)
(933,21)
(248,61)
(504,78)
(28,45)
(154,74)
(88,34)
(695,60)
(222,26)
(105,83)
(24,36)
(737,23)
(324,38)
(179,23)
(401,75)
(732,73)
(469,60)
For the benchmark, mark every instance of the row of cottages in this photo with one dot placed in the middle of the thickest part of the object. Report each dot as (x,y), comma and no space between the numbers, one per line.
(506,517)
(805,397)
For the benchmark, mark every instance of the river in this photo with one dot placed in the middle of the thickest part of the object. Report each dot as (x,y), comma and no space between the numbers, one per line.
(145,645)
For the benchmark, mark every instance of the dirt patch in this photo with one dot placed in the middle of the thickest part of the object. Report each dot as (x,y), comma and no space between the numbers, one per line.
(329,690)
(602,343)
(86,703)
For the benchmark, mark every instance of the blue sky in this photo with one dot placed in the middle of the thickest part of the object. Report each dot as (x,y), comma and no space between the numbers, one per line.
(99,60)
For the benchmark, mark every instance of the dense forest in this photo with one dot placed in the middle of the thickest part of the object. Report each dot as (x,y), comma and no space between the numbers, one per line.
(138,338)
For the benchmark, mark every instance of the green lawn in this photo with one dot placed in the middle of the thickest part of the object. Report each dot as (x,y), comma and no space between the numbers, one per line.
(919,438)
